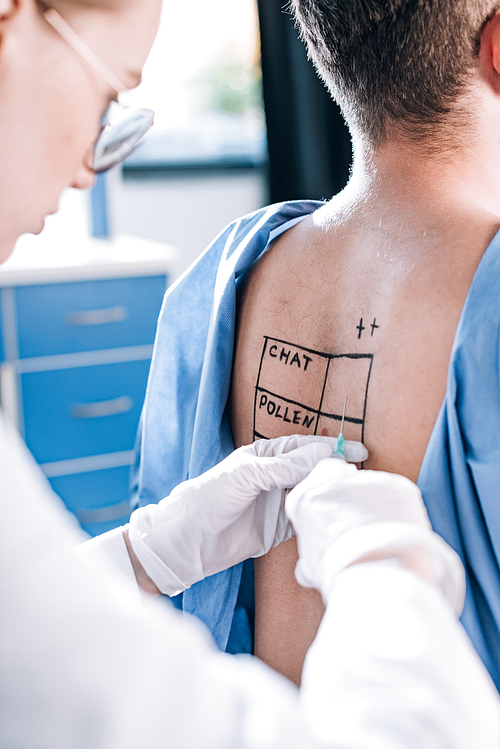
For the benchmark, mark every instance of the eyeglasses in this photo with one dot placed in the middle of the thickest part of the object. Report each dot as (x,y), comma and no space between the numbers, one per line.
(121,127)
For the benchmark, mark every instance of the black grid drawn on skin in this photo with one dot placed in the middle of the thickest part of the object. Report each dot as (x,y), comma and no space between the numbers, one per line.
(259,388)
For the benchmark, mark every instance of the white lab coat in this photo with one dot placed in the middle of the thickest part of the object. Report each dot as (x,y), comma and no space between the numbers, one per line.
(83,665)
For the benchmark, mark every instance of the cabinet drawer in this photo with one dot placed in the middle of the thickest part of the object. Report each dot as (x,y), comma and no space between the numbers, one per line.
(73,413)
(99,499)
(88,315)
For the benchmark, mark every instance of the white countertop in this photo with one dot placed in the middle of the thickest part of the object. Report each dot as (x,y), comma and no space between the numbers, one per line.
(37,260)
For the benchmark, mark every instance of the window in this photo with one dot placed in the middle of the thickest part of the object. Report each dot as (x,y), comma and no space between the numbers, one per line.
(203,80)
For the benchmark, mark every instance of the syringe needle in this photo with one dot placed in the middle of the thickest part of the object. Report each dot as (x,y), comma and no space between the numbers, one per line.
(339,449)
(343,416)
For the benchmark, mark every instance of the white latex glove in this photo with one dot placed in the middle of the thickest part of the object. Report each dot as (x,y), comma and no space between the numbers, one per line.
(230,513)
(343,516)
(274,500)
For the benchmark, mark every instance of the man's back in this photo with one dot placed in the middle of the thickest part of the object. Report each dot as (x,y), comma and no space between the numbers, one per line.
(360,300)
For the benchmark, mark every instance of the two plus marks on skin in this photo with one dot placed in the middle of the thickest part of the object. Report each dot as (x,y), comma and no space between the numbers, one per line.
(361,327)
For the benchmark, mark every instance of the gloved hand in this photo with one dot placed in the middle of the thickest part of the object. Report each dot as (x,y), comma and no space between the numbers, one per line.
(343,516)
(230,513)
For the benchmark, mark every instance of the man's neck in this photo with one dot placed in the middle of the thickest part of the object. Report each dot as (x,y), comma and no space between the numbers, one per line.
(405,193)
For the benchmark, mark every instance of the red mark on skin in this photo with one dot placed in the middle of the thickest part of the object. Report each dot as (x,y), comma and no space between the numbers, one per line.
(324,432)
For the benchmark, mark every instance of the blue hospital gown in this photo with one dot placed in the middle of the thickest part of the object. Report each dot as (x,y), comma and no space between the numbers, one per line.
(185,426)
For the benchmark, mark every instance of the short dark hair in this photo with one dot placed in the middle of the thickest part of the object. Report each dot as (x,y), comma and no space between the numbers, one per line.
(394,65)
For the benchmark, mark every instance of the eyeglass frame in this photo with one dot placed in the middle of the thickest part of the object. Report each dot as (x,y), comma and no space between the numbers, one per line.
(70,36)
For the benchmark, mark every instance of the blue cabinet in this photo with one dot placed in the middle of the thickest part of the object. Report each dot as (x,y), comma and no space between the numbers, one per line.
(82,411)
(87,316)
(74,363)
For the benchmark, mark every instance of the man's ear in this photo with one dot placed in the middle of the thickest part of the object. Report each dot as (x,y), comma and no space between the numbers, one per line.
(495,42)
(489,53)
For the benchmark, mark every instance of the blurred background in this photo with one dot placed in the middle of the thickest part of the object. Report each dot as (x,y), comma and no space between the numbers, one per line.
(203,163)
(241,121)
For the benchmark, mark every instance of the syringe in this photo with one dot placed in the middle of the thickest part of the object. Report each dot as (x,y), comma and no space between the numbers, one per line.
(339,449)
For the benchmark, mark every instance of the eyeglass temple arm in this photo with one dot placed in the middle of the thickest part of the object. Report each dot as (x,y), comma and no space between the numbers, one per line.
(71,37)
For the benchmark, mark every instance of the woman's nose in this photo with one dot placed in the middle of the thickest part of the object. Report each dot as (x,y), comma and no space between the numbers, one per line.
(83,178)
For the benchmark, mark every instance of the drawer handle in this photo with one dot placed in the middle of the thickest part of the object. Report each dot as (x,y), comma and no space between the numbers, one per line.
(119,405)
(105,514)
(97,316)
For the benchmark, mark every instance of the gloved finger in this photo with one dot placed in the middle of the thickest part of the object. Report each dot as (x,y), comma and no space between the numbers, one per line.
(287,470)
(280,445)
(355,452)
(323,478)
(377,494)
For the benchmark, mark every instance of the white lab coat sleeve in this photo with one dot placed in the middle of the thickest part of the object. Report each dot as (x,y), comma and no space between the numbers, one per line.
(392,667)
